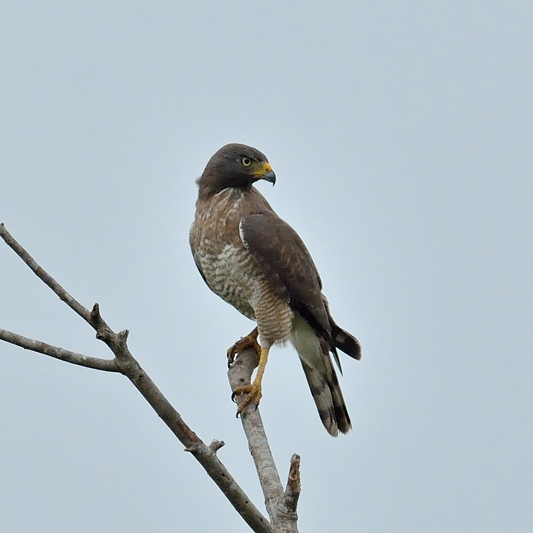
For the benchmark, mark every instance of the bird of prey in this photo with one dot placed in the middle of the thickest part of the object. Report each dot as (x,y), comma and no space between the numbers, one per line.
(255,261)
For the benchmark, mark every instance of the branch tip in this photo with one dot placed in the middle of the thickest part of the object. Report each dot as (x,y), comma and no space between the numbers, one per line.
(294,486)
(294,470)
(216,445)
(95,319)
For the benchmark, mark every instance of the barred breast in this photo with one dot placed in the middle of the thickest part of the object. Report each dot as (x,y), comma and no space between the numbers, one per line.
(228,267)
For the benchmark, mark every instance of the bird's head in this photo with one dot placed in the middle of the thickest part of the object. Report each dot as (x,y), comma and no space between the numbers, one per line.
(235,165)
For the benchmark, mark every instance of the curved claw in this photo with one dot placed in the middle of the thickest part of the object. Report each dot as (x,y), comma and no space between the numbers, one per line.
(249,341)
(253,394)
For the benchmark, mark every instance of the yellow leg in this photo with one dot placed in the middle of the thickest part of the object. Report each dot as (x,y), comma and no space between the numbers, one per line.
(253,391)
(250,341)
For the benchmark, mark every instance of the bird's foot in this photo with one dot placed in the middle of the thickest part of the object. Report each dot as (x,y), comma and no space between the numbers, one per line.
(250,341)
(252,394)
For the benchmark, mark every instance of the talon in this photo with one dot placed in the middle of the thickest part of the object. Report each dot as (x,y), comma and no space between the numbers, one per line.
(249,341)
(252,394)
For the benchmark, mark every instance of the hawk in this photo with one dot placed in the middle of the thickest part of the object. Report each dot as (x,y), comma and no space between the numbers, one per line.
(255,261)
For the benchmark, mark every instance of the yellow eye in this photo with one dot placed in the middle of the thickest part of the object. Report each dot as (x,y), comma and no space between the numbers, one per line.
(245,161)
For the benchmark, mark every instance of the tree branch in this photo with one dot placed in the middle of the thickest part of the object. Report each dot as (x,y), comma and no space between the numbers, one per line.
(125,363)
(108,365)
(281,506)
(294,486)
(42,275)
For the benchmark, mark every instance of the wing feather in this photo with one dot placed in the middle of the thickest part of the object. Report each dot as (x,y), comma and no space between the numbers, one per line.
(287,265)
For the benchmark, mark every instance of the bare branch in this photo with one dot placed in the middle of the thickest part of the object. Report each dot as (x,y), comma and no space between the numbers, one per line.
(108,365)
(216,445)
(126,364)
(294,486)
(205,454)
(283,518)
(42,275)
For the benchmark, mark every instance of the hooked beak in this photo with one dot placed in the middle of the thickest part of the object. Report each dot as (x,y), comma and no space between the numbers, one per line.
(268,174)
(270,177)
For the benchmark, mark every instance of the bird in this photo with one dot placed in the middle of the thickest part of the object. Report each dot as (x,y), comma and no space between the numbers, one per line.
(255,261)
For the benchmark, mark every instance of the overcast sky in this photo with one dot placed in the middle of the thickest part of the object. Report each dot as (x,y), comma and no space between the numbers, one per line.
(401,136)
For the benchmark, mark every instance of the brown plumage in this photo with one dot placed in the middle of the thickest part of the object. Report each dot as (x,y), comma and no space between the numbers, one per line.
(256,262)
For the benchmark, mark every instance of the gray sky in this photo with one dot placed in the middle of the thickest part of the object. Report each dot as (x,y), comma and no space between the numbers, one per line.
(400,133)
